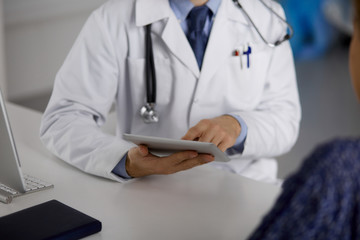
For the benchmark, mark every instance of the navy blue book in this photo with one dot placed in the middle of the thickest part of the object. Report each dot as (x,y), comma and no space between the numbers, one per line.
(49,220)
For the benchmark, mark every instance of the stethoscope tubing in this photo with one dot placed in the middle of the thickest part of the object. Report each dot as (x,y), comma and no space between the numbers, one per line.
(150,68)
(148,111)
(277,43)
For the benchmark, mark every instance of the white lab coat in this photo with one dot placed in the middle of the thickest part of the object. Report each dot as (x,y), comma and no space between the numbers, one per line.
(106,65)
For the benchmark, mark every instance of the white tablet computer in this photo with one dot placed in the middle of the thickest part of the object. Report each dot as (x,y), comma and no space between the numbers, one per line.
(166,146)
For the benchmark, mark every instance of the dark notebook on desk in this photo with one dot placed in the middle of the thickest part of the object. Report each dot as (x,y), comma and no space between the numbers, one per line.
(49,220)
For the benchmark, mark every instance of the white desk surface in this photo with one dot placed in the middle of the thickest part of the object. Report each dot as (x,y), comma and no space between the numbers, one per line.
(202,203)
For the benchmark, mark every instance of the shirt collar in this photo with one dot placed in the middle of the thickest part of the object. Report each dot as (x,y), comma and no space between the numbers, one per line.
(182,8)
(213,5)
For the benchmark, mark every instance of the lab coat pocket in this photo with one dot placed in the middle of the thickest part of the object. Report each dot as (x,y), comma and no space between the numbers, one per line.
(246,78)
(137,81)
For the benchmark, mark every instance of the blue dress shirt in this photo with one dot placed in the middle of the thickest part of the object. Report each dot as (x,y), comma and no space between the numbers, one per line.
(181,9)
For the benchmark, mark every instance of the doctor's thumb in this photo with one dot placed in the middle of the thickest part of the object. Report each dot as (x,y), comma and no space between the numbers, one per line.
(143,150)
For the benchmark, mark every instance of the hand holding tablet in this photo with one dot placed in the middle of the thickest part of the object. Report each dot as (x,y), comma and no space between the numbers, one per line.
(166,146)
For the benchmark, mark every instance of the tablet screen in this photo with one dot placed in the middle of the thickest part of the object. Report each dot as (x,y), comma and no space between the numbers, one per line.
(166,146)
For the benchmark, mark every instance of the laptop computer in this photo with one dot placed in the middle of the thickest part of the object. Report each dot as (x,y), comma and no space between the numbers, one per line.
(13,182)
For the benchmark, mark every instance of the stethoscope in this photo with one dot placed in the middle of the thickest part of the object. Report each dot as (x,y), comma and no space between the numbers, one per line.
(148,112)
(287,36)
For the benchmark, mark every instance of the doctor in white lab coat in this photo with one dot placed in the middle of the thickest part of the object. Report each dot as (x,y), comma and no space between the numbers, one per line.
(106,65)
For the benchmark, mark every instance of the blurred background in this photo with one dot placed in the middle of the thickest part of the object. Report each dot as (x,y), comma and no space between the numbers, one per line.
(36,35)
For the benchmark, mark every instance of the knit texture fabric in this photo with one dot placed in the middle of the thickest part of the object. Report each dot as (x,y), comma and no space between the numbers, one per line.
(322,200)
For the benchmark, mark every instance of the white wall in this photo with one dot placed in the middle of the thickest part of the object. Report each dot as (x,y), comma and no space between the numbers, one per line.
(38,36)
(2,59)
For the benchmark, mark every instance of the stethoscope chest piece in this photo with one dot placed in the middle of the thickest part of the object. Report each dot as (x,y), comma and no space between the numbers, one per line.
(149,114)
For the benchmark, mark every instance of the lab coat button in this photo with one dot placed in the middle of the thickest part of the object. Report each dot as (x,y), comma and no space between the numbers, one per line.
(196,100)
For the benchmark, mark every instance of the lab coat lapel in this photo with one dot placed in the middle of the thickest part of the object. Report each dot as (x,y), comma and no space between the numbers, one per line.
(151,11)
(175,39)
(222,38)
(234,13)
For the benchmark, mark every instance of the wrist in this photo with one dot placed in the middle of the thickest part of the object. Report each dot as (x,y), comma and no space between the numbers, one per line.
(130,167)
(234,123)
(134,165)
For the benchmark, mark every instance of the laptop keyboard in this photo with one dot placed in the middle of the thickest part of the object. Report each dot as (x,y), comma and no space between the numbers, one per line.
(32,184)
(7,189)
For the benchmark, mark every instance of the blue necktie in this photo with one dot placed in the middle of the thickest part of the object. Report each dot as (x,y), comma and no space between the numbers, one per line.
(197,39)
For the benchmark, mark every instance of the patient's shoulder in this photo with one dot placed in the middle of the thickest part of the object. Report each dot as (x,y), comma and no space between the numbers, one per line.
(335,158)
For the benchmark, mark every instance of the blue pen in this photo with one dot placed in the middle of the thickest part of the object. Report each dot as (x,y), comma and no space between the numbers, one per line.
(248,52)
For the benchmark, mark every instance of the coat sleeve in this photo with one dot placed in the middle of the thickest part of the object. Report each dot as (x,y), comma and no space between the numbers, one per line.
(273,125)
(84,90)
